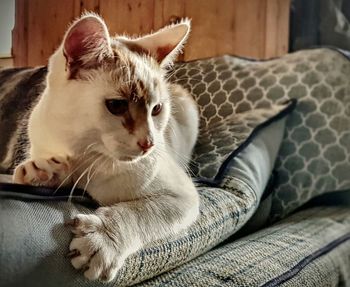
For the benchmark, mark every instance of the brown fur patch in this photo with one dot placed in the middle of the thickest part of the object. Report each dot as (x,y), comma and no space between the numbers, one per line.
(163,51)
(136,48)
(135,91)
(136,115)
(129,122)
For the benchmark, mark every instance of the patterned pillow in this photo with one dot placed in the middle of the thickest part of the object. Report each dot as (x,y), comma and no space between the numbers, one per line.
(218,139)
(315,155)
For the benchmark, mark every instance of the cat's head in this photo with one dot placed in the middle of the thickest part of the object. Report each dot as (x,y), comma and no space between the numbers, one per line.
(111,92)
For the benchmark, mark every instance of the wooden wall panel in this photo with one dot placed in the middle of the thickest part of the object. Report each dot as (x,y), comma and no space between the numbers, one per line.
(213,31)
(45,33)
(20,34)
(251,28)
(276,33)
(248,14)
(166,11)
(132,16)
(87,5)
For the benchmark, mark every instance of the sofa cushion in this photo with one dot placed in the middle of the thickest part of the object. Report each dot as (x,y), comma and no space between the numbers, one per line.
(310,248)
(315,153)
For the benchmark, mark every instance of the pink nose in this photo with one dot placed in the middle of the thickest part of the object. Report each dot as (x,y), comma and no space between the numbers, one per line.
(145,144)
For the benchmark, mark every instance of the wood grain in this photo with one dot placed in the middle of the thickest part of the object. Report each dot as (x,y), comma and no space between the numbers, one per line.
(277,27)
(82,6)
(165,11)
(251,28)
(45,33)
(211,32)
(132,16)
(20,34)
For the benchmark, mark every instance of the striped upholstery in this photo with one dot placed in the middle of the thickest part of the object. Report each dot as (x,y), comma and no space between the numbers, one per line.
(37,228)
(311,248)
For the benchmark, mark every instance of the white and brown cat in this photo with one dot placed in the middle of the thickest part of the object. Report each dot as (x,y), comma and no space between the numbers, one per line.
(109,121)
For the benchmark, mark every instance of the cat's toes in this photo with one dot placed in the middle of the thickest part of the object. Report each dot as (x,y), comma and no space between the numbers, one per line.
(84,223)
(47,172)
(60,165)
(92,250)
(97,268)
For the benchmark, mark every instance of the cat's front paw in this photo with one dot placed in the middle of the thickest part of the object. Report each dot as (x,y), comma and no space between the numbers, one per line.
(94,249)
(42,172)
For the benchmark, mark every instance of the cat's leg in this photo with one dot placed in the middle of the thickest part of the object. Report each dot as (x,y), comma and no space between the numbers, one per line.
(105,239)
(42,172)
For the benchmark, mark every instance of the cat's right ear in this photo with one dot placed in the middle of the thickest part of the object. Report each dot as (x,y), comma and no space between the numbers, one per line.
(86,44)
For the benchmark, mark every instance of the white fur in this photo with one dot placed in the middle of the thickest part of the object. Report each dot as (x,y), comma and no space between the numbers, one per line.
(146,198)
(174,35)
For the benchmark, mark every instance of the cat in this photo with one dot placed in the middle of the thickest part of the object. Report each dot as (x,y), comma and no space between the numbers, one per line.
(108,121)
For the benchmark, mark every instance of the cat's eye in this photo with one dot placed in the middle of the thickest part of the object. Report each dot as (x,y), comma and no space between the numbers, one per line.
(157,109)
(117,107)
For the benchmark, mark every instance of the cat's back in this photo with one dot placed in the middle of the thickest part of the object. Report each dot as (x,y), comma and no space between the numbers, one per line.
(19,90)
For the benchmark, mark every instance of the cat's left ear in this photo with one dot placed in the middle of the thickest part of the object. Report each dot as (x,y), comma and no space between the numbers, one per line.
(164,45)
(86,44)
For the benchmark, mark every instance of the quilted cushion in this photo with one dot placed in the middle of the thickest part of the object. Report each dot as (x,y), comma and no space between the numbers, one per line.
(310,248)
(315,153)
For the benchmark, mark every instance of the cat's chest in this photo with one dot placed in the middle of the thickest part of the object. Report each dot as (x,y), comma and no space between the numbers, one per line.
(111,186)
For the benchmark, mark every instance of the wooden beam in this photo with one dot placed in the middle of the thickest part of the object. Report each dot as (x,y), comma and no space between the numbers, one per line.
(251,28)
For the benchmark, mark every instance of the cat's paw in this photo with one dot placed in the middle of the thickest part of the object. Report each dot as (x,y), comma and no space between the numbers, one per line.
(94,249)
(42,172)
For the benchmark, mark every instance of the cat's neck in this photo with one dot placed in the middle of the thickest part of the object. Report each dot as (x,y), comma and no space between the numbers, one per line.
(98,173)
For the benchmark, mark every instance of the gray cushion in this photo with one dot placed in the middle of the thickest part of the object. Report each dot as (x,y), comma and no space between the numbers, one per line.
(315,153)
(310,248)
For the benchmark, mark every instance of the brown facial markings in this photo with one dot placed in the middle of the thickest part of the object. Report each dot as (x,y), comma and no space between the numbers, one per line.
(128,123)
(75,66)
(131,88)
(141,87)
(136,116)
(115,55)
(135,91)
(142,91)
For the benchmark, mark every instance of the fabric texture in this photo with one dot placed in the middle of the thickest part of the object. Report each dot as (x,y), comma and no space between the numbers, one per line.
(217,140)
(19,90)
(246,146)
(33,240)
(315,153)
(230,184)
(310,248)
(314,157)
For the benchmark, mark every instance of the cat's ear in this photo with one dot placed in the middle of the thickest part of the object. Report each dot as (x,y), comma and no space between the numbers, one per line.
(86,43)
(165,44)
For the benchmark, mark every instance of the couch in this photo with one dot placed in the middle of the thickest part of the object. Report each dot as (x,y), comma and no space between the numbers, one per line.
(271,166)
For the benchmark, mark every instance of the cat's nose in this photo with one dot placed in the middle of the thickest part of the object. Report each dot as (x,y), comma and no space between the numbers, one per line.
(145,144)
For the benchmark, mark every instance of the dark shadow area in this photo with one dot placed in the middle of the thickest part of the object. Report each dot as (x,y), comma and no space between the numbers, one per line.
(319,23)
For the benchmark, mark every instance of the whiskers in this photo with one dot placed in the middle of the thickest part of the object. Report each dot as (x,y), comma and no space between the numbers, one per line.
(91,175)
(185,162)
(182,160)
(69,176)
(88,158)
